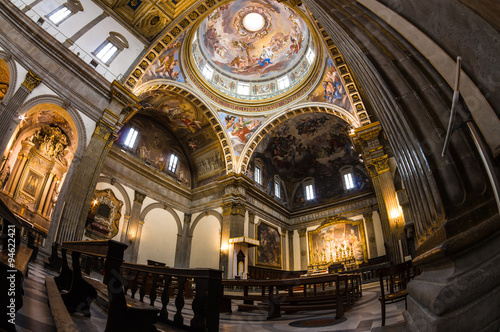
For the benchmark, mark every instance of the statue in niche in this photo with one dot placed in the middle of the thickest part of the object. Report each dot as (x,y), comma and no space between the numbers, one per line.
(4,176)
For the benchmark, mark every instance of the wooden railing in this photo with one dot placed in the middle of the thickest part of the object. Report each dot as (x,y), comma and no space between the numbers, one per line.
(201,285)
(331,291)
(262,273)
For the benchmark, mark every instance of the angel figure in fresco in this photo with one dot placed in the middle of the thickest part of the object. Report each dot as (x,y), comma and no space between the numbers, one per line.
(242,128)
(192,124)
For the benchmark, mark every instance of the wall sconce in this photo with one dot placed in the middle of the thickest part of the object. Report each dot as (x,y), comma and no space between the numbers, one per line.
(224,246)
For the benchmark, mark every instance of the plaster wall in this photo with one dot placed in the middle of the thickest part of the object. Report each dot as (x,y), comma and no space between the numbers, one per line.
(205,246)
(158,238)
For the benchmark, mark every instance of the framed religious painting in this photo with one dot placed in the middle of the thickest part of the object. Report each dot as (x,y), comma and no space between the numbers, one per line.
(32,184)
(268,253)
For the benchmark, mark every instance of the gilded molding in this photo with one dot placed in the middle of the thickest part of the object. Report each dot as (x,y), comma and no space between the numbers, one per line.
(381,164)
(234,208)
(32,80)
(302,232)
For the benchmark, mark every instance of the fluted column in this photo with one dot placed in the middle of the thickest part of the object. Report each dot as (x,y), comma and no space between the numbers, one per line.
(370,234)
(303,248)
(133,235)
(8,115)
(283,250)
(251,234)
(47,186)
(82,189)
(290,251)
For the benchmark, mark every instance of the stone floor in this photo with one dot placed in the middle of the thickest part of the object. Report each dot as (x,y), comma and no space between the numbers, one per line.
(35,314)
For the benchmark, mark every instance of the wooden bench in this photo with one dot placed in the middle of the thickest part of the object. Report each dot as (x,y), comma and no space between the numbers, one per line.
(62,319)
(303,294)
(13,269)
(122,316)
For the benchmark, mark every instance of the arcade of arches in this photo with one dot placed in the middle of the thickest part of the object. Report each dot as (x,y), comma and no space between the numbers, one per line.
(315,127)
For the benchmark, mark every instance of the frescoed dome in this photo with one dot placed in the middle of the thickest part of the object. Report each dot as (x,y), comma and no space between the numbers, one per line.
(253,50)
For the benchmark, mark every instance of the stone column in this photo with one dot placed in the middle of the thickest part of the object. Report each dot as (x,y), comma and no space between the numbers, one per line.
(283,250)
(251,234)
(233,223)
(47,186)
(17,170)
(133,235)
(8,118)
(366,139)
(303,248)
(183,246)
(370,235)
(73,218)
(290,251)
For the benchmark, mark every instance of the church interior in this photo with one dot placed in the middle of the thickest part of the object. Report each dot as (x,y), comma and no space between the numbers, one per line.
(247,141)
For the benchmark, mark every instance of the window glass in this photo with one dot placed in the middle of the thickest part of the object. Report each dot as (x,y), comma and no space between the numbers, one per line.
(309,192)
(107,52)
(172,163)
(131,137)
(258,178)
(59,15)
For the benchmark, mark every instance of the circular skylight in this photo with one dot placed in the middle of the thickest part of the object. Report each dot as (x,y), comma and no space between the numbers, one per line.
(253,22)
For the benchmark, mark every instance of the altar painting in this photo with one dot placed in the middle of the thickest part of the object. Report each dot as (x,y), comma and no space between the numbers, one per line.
(32,184)
(269,251)
(337,240)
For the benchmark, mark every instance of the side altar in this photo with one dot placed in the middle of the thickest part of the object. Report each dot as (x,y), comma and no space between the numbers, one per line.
(339,242)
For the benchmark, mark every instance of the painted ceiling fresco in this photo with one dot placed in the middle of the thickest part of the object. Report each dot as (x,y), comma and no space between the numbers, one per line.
(154,146)
(240,129)
(332,90)
(246,52)
(309,146)
(167,65)
(190,126)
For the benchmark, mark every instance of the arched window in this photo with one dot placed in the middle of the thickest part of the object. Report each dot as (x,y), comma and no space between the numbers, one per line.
(63,12)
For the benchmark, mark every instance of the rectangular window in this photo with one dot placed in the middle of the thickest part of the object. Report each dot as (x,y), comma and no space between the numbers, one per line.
(283,82)
(257,178)
(59,14)
(243,89)
(172,163)
(277,191)
(348,182)
(106,52)
(208,72)
(131,137)
(309,192)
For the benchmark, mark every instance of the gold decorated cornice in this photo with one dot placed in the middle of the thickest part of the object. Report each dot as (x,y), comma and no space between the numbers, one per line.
(381,164)
(32,80)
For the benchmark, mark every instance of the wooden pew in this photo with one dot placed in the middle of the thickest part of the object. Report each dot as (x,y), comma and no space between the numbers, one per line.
(166,282)
(312,293)
(122,316)
(13,269)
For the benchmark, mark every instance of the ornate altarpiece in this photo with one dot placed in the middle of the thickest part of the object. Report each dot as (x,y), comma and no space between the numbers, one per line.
(337,240)
(104,215)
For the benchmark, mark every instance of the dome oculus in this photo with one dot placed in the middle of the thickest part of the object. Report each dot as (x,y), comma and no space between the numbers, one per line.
(253,22)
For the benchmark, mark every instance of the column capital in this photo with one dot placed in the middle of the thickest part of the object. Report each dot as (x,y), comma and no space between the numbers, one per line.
(302,232)
(139,197)
(290,234)
(234,208)
(187,217)
(251,217)
(368,217)
(381,164)
(31,80)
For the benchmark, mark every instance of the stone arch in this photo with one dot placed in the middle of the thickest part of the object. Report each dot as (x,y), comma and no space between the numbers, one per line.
(278,119)
(74,116)
(211,115)
(152,206)
(201,216)
(12,75)
(121,189)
